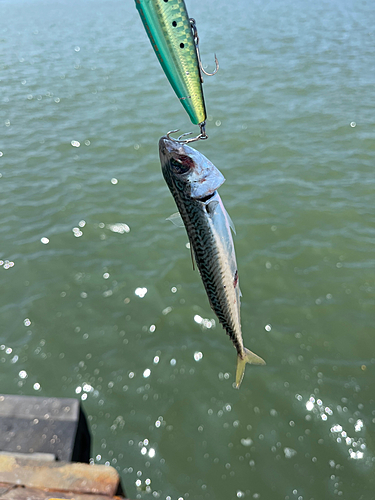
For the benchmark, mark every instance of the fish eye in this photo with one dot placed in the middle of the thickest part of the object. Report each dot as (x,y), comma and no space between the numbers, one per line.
(181,165)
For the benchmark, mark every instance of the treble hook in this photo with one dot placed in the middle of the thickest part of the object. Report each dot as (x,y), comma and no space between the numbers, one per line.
(196,41)
(200,136)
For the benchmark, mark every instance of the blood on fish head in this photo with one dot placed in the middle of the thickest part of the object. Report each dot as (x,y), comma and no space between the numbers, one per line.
(192,169)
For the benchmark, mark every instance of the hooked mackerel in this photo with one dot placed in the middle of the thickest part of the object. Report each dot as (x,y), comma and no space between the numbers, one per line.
(193,181)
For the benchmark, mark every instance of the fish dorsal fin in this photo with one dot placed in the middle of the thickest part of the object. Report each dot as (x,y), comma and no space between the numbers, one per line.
(176,219)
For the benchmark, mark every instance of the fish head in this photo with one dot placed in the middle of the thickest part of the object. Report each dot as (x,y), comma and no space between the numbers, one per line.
(187,169)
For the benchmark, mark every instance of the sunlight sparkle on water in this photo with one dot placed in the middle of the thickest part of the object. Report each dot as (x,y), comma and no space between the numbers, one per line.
(7,264)
(140,292)
(119,227)
(358,425)
(198,356)
(289,452)
(309,405)
(246,441)
(147,373)
(75,144)
(204,322)
(336,428)
(44,240)
(8,350)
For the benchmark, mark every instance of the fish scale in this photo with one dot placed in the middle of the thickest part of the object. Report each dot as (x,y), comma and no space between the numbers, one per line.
(194,215)
(207,256)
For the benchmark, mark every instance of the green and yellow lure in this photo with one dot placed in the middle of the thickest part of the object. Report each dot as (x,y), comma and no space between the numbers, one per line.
(174,39)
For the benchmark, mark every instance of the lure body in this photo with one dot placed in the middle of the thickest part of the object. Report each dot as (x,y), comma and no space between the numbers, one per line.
(169,29)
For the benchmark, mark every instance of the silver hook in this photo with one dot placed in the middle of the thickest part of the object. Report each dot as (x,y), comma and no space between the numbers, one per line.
(196,41)
(202,136)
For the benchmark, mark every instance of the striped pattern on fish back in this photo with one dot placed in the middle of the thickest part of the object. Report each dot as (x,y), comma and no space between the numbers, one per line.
(207,256)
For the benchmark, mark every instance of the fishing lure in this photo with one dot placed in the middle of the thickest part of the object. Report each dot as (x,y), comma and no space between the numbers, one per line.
(174,38)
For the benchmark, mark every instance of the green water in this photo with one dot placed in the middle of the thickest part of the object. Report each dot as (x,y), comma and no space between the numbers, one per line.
(98,298)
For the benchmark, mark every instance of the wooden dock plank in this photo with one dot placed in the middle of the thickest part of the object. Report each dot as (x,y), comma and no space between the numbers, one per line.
(24,493)
(59,476)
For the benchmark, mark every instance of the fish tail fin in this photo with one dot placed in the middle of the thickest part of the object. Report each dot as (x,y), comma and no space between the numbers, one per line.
(250,358)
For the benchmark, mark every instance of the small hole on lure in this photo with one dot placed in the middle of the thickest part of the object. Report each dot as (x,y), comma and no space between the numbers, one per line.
(174,24)
(182,45)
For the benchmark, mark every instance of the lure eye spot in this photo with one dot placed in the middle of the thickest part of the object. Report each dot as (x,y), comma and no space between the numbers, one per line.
(174,24)
(182,45)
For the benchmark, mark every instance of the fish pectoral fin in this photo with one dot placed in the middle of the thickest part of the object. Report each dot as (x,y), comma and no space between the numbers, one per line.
(230,222)
(211,206)
(176,219)
(252,359)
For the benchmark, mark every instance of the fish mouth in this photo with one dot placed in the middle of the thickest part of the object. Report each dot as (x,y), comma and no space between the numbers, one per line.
(168,146)
(170,150)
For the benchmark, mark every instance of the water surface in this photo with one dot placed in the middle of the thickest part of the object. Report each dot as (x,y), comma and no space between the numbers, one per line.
(98,298)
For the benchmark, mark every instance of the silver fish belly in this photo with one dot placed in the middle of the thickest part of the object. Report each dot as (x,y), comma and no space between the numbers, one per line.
(193,181)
